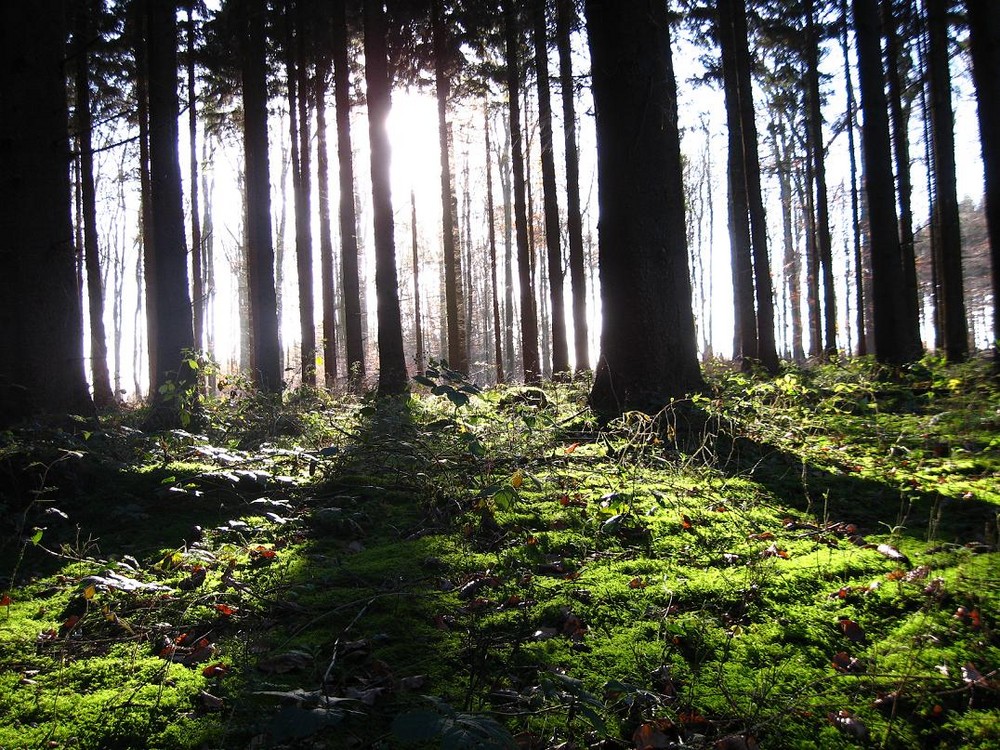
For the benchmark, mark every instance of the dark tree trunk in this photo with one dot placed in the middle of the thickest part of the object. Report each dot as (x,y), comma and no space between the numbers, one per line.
(565,15)
(783,152)
(174,339)
(103,395)
(984,43)
(745,344)
(894,343)
(41,338)
(492,238)
(328,289)
(824,242)
(265,349)
(197,254)
(455,307)
(529,318)
(812,262)
(418,331)
(354,345)
(392,378)
(503,166)
(557,314)
(944,208)
(648,347)
(899,120)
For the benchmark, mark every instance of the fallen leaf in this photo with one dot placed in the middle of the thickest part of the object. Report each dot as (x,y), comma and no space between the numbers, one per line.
(774,551)
(5,601)
(849,724)
(851,630)
(844,662)
(225,610)
(216,670)
(887,550)
(637,583)
(653,735)
(686,523)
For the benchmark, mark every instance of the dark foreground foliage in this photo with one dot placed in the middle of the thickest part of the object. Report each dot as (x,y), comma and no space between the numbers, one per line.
(808,560)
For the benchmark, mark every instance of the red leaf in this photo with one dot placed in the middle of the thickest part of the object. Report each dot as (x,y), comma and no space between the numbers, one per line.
(5,601)
(851,630)
(844,662)
(571,448)
(225,610)
(215,670)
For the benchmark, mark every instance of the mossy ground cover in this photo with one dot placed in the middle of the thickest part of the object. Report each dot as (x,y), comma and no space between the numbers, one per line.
(801,561)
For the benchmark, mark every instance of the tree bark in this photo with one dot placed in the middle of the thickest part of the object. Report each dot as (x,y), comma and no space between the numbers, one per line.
(392,377)
(894,343)
(265,349)
(420,357)
(354,346)
(557,314)
(41,339)
(103,395)
(174,339)
(648,346)
(984,43)
(328,291)
(944,208)
(492,239)
(197,254)
(565,16)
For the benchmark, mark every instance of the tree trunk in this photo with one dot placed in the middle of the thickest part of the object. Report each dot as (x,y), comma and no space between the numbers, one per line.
(354,345)
(783,153)
(197,255)
(174,340)
(899,120)
(824,242)
(557,314)
(648,348)
(529,319)
(565,16)
(103,395)
(328,290)
(984,43)
(263,304)
(944,208)
(893,341)
(392,378)
(420,357)
(457,330)
(41,338)
(492,239)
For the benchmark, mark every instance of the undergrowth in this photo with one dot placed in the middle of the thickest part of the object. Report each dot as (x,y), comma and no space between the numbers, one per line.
(803,561)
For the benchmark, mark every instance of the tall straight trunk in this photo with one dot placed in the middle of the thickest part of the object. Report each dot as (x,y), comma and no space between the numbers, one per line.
(793,269)
(328,290)
(812,262)
(565,14)
(506,188)
(354,346)
(197,256)
(458,358)
(745,344)
(265,349)
(860,320)
(529,319)
(824,241)
(899,121)
(41,337)
(984,43)
(894,343)
(418,330)
(557,314)
(468,292)
(492,239)
(298,114)
(103,395)
(648,343)
(944,209)
(208,251)
(392,378)
(174,332)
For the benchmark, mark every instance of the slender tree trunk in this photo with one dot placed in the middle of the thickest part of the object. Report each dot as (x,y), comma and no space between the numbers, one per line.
(899,120)
(392,377)
(492,238)
(529,320)
(349,254)
(506,188)
(745,344)
(457,346)
(328,283)
(197,256)
(984,43)
(103,395)
(894,343)
(793,272)
(265,349)
(812,262)
(208,250)
(420,357)
(648,347)
(560,345)
(944,209)
(174,332)
(824,241)
(565,14)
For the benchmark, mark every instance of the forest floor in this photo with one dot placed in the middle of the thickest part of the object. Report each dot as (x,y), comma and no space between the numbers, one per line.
(801,561)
